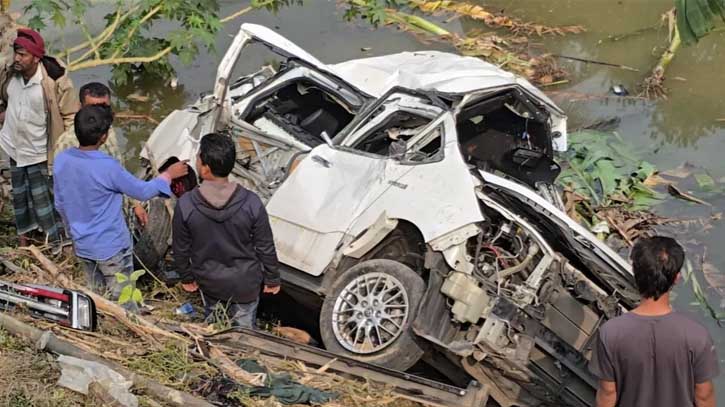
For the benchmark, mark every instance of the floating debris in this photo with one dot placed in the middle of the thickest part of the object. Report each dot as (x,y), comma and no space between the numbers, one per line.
(619,90)
(677,193)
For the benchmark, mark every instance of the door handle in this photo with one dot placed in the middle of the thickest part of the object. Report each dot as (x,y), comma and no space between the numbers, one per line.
(321,161)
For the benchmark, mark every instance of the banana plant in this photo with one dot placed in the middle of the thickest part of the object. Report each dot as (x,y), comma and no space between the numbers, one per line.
(689,21)
(697,18)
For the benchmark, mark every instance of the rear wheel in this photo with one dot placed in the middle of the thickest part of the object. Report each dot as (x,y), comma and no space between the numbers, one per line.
(369,314)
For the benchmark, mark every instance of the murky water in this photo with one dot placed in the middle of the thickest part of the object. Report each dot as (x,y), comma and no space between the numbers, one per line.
(666,133)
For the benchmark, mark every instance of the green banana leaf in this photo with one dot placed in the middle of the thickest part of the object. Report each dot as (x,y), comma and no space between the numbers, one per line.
(696,18)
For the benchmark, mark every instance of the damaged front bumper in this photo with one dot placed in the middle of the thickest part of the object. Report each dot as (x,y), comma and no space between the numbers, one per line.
(526,290)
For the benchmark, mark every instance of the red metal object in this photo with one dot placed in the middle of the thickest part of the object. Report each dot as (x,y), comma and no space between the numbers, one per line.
(39,292)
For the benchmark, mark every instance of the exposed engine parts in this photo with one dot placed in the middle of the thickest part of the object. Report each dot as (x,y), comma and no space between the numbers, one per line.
(523,302)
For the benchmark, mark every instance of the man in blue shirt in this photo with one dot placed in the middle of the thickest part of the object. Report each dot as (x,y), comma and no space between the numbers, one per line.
(89,187)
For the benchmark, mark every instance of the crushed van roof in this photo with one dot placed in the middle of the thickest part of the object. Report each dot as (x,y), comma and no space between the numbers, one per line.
(424,70)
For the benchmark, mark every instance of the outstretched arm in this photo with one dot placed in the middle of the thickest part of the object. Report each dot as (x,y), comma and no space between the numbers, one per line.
(126,183)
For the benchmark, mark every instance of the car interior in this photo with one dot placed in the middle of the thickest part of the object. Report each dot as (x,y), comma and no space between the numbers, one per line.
(506,133)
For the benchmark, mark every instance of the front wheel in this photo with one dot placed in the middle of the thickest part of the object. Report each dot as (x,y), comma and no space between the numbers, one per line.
(369,313)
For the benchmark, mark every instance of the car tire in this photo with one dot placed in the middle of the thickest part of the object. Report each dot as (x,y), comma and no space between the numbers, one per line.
(152,242)
(401,284)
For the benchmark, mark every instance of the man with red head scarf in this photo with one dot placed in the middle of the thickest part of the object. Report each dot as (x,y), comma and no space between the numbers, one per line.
(37,104)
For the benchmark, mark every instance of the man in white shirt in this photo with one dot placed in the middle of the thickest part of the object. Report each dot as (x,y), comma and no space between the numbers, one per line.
(39,104)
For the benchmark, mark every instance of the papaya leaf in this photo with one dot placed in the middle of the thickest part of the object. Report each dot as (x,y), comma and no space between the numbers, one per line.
(137,274)
(126,294)
(137,296)
(646,170)
(121,278)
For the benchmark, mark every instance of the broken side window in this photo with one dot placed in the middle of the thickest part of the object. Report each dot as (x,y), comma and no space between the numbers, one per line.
(302,109)
(424,148)
(390,138)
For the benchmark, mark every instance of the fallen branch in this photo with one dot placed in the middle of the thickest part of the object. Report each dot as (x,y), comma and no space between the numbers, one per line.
(494,20)
(591,61)
(116,61)
(141,326)
(621,231)
(135,28)
(93,44)
(106,32)
(222,362)
(47,341)
(637,32)
(677,193)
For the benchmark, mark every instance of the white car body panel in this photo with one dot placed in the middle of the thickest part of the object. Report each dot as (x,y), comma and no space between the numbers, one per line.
(444,191)
(311,211)
(183,145)
(317,206)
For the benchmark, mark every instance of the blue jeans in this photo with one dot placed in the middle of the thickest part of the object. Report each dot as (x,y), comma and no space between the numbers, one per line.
(101,274)
(243,315)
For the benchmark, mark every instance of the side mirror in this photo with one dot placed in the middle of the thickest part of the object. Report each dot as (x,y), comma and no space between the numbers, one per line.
(327,138)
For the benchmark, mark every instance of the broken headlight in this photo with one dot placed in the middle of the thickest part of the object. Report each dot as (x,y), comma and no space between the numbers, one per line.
(83,311)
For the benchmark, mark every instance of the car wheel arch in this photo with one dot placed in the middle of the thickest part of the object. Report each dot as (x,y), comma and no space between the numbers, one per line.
(405,234)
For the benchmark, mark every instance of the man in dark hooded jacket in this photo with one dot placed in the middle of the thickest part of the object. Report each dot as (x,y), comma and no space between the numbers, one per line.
(223,241)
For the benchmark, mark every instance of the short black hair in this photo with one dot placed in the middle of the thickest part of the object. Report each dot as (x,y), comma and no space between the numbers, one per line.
(218,152)
(91,123)
(94,89)
(656,262)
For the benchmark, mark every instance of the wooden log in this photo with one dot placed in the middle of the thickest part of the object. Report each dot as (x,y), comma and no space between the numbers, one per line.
(46,340)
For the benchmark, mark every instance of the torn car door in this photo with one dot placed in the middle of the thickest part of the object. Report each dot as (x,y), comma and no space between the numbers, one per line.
(311,211)
(421,161)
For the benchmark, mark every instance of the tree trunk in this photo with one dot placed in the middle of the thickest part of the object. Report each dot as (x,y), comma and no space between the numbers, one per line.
(7,36)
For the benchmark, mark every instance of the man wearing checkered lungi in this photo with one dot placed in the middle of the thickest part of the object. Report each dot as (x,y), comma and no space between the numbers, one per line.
(37,104)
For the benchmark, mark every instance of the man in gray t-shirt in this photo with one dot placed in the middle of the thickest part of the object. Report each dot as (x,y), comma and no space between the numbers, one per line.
(654,356)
